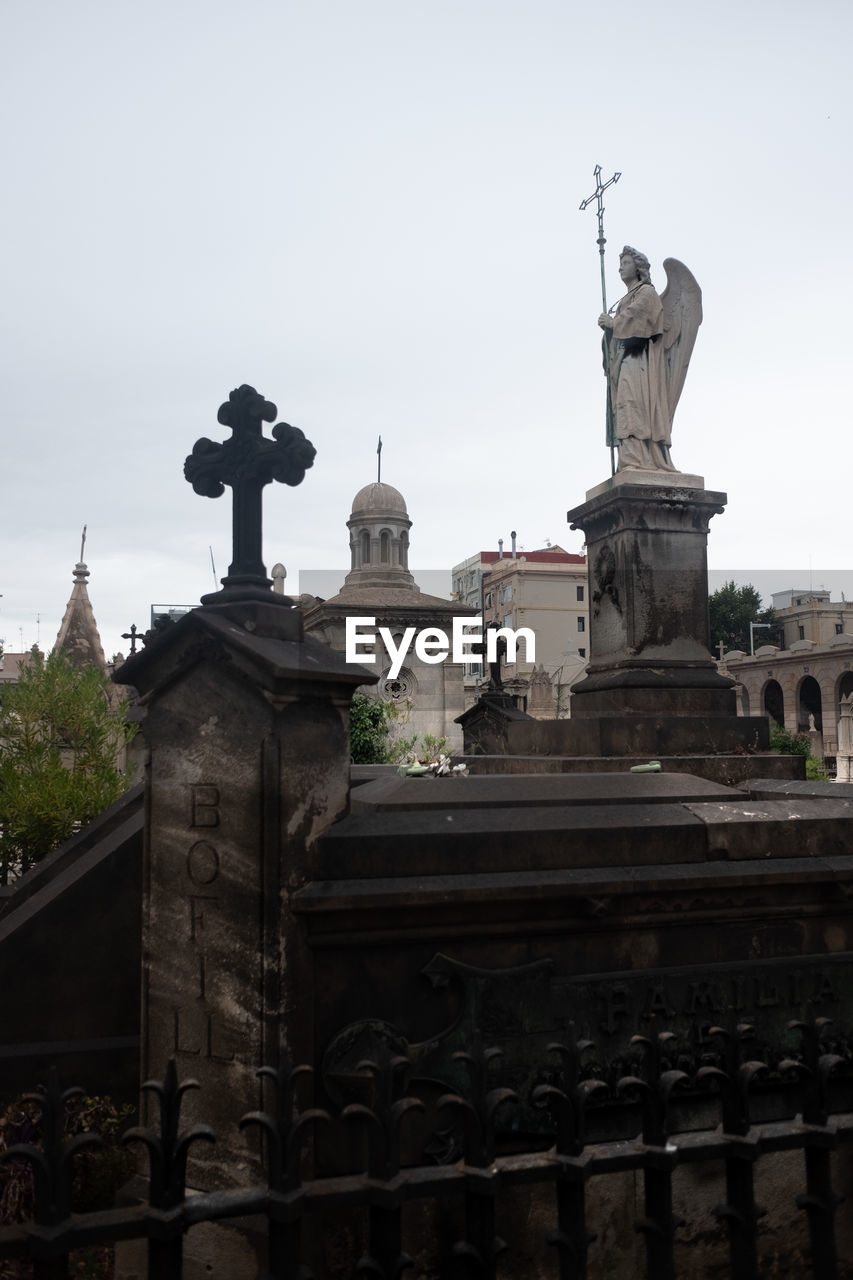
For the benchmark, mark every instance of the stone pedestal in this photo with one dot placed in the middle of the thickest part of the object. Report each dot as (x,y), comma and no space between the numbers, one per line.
(649,637)
(247,733)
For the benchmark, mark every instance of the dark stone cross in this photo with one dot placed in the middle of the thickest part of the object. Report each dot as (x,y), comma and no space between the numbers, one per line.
(132,636)
(247,462)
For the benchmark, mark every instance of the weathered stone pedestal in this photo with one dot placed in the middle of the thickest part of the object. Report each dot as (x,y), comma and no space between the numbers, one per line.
(650,664)
(247,730)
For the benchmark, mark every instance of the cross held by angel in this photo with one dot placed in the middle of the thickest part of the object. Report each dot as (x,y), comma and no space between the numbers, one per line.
(648,343)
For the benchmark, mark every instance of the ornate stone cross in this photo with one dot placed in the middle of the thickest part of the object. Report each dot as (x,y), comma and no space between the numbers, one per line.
(247,462)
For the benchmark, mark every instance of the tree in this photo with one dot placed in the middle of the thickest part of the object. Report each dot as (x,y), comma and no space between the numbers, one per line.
(731,609)
(59,741)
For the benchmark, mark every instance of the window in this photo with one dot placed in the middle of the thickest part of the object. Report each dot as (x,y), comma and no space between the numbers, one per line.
(488,599)
(802,632)
(385,546)
(581,652)
(507,622)
(581,624)
(839,628)
(580,593)
(506,593)
(365,547)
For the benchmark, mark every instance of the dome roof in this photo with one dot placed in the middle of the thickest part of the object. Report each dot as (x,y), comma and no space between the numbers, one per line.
(378,497)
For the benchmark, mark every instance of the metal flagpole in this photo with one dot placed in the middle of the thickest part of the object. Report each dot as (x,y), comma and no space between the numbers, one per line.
(600,188)
(379,462)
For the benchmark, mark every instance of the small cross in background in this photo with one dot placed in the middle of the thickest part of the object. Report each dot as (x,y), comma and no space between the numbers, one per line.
(131,635)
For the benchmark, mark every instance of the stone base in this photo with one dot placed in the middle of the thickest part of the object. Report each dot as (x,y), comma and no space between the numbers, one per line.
(637,735)
(697,690)
(212,1250)
(668,479)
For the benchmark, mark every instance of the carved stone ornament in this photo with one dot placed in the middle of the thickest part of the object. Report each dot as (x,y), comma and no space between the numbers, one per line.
(403,685)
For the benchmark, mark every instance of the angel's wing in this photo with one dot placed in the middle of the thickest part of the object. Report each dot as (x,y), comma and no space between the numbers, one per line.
(682,316)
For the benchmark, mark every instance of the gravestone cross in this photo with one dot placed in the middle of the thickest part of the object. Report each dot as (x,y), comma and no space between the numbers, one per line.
(247,462)
(131,635)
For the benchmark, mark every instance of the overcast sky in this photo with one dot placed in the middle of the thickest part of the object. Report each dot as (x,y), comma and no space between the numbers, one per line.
(368,209)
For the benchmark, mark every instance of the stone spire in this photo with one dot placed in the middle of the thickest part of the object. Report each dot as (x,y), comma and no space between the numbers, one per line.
(78,635)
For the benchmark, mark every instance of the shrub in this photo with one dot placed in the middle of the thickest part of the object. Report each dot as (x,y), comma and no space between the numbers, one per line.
(789,744)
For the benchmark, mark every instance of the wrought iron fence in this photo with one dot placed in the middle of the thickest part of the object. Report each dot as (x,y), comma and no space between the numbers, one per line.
(471,1183)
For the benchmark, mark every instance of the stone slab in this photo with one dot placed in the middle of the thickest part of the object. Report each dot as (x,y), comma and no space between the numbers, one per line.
(728,770)
(527,890)
(493,792)
(773,788)
(443,842)
(660,479)
(787,828)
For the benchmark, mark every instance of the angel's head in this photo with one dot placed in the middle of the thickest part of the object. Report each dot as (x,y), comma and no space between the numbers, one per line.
(635,262)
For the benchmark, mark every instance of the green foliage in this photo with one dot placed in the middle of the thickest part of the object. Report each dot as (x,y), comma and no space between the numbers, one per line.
(798,744)
(373,739)
(731,609)
(98,1174)
(433,747)
(368,731)
(59,738)
(787,743)
(400,749)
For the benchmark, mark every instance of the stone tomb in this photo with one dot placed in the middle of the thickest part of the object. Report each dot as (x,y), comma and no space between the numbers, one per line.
(521,911)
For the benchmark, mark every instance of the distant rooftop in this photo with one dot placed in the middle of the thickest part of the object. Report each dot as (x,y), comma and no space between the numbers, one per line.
(11,664)
(544,555)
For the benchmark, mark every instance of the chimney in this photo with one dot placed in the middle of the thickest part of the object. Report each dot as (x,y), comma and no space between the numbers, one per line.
(513,536)
(500,548)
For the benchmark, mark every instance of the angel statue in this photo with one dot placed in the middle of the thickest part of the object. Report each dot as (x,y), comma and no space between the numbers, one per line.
(648,344)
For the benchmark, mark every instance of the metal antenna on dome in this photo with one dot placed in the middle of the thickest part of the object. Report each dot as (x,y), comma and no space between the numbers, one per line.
(379,462)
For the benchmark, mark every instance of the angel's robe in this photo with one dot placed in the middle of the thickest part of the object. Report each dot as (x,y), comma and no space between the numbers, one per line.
(638,386)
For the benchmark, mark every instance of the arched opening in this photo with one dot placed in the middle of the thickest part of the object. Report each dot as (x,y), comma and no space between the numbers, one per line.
(384,546)
(845,685)
(365,547)
(809,705)
(774,703)
(404,549)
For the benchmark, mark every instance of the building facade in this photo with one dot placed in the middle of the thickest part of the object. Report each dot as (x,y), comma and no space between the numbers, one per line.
(545,591)
(800,686)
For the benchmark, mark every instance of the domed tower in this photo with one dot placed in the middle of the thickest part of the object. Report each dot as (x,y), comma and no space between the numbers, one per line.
(379,539)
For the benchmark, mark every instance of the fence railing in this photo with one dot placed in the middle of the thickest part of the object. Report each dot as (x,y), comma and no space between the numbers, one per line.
(485,1167)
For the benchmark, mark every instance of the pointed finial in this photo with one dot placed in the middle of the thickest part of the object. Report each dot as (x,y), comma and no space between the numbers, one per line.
(83,544)
(379,462)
